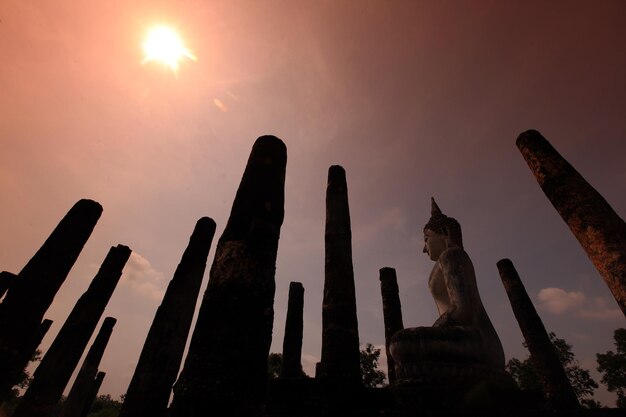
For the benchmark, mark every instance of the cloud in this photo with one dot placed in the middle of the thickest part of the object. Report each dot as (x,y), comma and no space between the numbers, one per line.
(600,309)
(142,277)
(558,301)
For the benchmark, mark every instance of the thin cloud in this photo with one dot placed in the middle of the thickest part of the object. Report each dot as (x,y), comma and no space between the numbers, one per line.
(142,277)
(558,301)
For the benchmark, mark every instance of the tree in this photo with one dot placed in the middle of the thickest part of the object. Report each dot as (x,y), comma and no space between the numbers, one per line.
(274,365)
(25,376)
(371,376)
(613,367)
(105,406)
(525,375)
(10,402)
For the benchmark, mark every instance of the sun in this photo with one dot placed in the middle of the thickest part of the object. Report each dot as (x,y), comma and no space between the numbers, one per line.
(162,44)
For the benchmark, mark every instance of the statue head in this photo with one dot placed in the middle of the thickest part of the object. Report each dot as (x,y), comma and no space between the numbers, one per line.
(441,232)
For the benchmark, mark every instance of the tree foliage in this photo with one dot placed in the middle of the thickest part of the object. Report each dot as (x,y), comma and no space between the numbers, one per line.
(105,406)
(526,377)
(25,376)
(372,377)
(613,367)
(274,365)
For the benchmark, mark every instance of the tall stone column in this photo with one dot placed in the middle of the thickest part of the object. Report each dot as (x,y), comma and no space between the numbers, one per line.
(81,389)
(24,306)
(340,335)
(392,313)
(6,280)
(599,230)
(94,388)
(225,372)
(59,362)
(543,355)
(292,342)
(159,363)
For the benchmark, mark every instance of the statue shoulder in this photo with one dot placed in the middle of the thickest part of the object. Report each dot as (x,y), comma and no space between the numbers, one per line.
(453,256)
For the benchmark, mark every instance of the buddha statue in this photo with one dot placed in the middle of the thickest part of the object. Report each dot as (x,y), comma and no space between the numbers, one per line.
(461,348)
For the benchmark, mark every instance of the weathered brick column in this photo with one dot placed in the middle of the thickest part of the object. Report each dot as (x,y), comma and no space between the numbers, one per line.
(150,388)
(225,372)
(59,362)
(543,355)
(340,334)
(292,342)
(80,393)
(392,313)
(599,230)
(24,306)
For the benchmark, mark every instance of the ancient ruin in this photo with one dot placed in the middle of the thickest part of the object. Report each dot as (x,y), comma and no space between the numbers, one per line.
(437,366)
(292,342)
(225,371)
(545,359)
(6,280)
(93,392)
(149,391)
(453,368)
(392,314)
(600,231)
(25,304)
(79,396)
(59,362)
(340,333)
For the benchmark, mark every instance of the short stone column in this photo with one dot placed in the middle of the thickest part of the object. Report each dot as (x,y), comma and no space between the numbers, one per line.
(6,280)
(94,388)
(225,372)
(292,342)
(58,364)
(81,389)
(340,334)
(543,355)
(599,230)
(392,313)
(151,386)
(24,306)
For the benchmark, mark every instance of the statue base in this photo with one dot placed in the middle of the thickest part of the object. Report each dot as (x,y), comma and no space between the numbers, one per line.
(433,387)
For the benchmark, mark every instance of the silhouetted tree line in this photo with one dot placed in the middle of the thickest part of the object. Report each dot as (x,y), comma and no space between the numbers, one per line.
(611,364)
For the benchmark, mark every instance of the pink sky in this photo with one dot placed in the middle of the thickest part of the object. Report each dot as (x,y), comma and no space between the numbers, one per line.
(414,99)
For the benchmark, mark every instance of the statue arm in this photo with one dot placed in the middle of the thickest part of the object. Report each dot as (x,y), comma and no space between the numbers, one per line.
(458,274)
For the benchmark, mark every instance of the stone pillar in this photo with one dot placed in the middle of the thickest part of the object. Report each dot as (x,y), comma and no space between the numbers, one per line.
(340,335)
(149,391)
(59,362)
(599,230)
(543,355)
(81,389)
(292,342)
(6,280)
(94,388)
(392,313)
(225,372)
(24,306)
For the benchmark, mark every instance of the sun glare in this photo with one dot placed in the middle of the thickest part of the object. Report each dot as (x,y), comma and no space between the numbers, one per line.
(162,44)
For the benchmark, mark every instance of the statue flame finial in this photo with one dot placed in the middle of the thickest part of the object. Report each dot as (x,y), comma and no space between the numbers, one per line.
(435,210)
